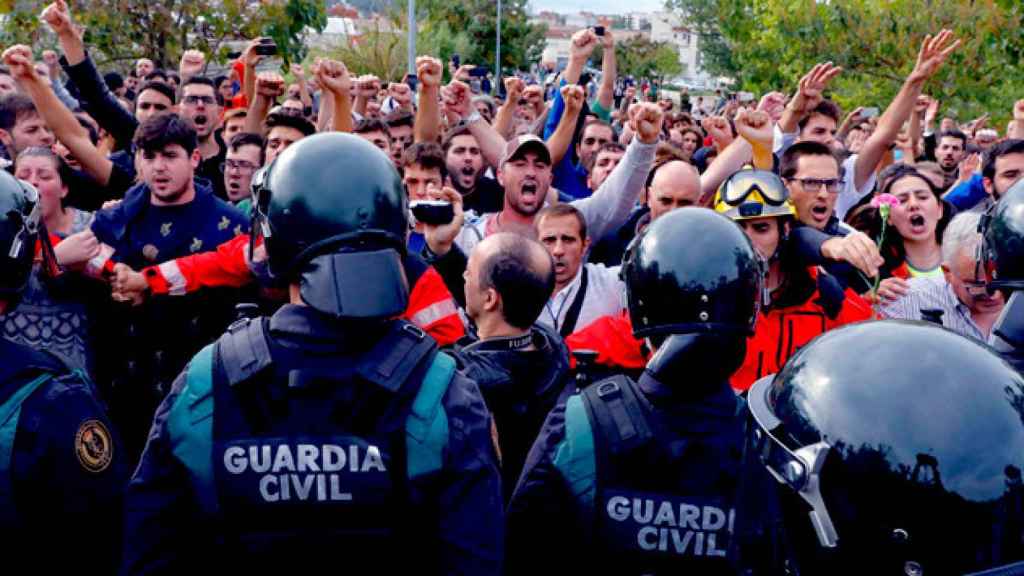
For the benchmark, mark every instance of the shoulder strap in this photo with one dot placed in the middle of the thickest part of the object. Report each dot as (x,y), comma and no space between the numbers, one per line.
(190,425)
(426,427)
(618,414)
(10,411)
(244,350)
(573,314)
(575,456)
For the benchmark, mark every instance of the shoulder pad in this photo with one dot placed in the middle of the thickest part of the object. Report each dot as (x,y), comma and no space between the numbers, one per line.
(618,413)
(243,350)
(390,363)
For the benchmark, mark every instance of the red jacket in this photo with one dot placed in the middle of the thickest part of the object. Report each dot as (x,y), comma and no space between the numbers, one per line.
(612,338)
(782,331)
(431,306)
(778,334)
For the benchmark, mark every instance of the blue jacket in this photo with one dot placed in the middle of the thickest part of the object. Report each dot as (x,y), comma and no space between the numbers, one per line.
(966,195)
(569,177)
(62,470)
(172,232)
(171,526)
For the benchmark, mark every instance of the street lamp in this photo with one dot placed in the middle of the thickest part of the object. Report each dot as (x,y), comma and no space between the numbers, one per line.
(411,68)
(497,56)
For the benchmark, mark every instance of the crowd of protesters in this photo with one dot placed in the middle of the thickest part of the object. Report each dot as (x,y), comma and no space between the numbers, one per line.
(146,185)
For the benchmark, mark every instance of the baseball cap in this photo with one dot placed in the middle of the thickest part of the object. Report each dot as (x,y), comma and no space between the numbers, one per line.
(520,145)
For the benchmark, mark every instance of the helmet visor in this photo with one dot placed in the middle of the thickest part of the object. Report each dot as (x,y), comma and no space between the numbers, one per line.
(746,182)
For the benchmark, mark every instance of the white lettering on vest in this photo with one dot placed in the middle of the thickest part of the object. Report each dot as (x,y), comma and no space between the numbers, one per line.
(234,459)
(618,508)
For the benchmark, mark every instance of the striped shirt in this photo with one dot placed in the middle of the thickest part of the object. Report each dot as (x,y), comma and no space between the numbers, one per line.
(934,293)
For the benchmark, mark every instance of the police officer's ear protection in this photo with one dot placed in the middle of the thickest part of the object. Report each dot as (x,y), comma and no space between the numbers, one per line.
(259,226)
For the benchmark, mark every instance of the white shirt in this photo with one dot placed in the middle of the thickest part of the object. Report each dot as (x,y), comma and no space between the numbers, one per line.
(604,211)
(605,296)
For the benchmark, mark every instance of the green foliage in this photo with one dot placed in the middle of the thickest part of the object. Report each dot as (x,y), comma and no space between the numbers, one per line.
(124,30)
(641,58)
(471,26)
(381,52)
(770,44)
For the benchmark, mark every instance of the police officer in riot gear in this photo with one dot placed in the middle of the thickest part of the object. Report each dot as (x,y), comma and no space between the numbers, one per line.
(1003,258)
(331,432)
(649,476)
(897,448)
(61,469)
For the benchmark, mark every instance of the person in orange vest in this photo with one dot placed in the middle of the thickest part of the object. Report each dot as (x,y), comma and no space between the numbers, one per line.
(797,302)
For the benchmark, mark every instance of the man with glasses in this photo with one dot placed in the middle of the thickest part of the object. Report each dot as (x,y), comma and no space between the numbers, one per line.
(201,103)
(244,157)
(962,298)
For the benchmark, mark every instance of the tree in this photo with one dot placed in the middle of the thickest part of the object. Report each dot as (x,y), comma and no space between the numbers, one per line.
(522,42)
(639,57)
(124,30)
(769,44)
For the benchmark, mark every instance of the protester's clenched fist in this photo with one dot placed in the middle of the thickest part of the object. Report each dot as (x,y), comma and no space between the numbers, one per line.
(127,285)
(332,75)
(18,59)
(457,98)
(582,44)
(77,249)
(645,120)
(269,85)
(1018,111)
(191,64)
(514,88)
(773,104)
(58,18)
(718,128)
(429,71)
(755,127)
(401,94)
(367,86)
(572,95)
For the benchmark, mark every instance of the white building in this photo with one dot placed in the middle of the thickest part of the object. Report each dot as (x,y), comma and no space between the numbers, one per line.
(667,27)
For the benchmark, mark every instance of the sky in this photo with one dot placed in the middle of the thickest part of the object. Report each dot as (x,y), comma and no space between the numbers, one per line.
(598,6)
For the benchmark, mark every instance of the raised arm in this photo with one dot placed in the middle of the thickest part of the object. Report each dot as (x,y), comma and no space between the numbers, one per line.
(100,103)
(335,81)
(514,88)
(934,51)
(269,86)
(808,95)
(300,79)
(756,128)
(609,72)
(63,123)
(561,139)
(428,116)
(458,98)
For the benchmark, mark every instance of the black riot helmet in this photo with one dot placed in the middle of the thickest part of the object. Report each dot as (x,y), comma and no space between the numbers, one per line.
(1003,241)
(21,225)
(898,449)
(334,217)
(691,271)
(692,280)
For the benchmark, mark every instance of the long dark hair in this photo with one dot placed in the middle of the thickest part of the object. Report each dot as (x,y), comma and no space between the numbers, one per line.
(893,251)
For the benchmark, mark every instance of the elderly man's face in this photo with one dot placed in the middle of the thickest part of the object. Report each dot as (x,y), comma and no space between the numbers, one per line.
(962,276)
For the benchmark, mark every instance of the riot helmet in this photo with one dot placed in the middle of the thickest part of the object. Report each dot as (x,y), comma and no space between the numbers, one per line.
(897,448)
(692,279)
(1002,230)
(21,225)
(334,217)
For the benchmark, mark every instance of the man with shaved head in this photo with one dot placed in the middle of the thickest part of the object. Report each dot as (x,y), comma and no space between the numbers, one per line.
(521,367)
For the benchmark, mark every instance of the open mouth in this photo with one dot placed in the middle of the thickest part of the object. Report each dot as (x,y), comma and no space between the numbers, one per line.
(820,211)
(529,189)
(161,181)
(200,120)
(918,224)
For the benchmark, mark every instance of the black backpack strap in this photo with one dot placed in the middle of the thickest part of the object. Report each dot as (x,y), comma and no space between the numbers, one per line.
(244,350)
(573,314)
(392,361)
(618,414)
